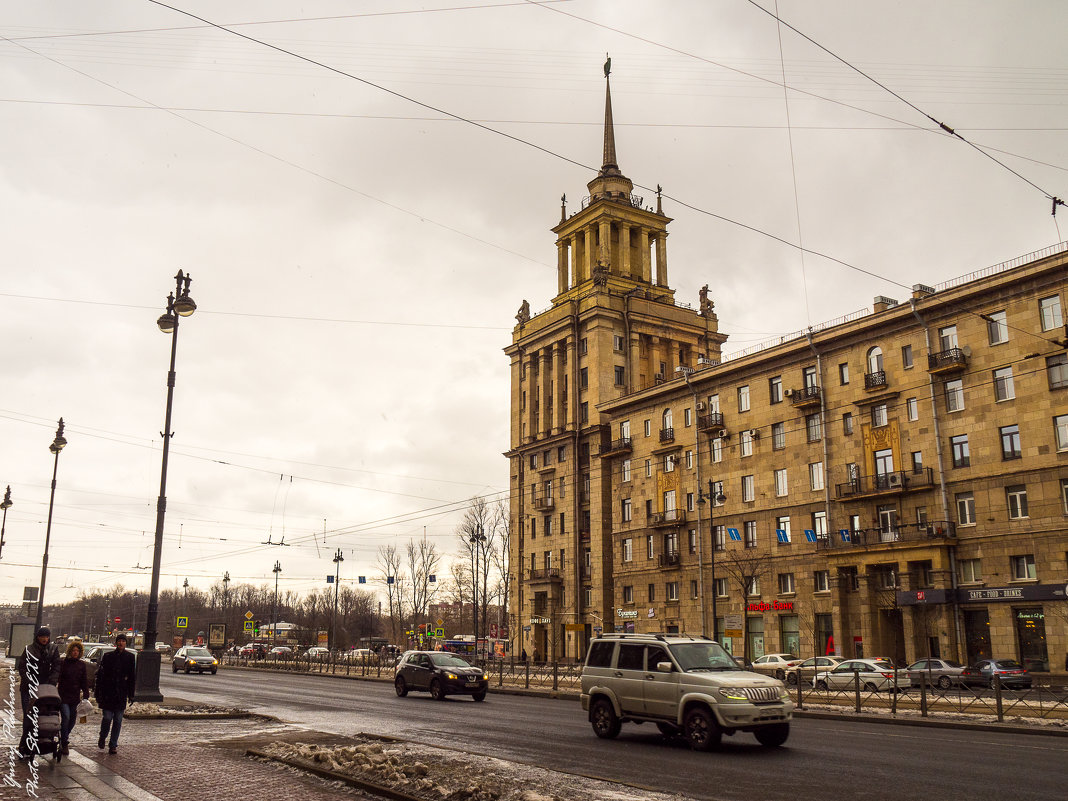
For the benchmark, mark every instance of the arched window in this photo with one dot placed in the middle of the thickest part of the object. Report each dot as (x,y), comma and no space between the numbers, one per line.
(667,419)
(875,360)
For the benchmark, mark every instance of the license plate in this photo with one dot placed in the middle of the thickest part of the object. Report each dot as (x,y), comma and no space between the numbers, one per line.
(472,682)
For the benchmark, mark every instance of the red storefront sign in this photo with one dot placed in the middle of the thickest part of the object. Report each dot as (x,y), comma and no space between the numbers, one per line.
(776,606)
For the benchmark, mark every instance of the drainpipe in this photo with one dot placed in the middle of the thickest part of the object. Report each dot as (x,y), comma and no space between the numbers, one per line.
(944,494)
(577,472)
(825,437)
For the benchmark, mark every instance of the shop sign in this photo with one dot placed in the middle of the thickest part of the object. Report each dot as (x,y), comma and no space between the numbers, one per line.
(732,626)
(627,614)
(1025,592)
(777,606)
(539,621)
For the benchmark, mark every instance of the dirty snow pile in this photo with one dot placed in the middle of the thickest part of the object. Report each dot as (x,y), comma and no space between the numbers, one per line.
(442,775)
(146,709)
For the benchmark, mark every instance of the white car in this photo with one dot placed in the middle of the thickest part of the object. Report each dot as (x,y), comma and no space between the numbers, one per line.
(873,674)
(317,652)
(775,664)
(806,671)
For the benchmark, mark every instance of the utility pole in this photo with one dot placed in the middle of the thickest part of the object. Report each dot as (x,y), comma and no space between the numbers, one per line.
(274,609)
(338,559)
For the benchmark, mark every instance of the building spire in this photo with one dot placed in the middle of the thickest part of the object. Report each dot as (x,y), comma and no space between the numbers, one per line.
(610,167)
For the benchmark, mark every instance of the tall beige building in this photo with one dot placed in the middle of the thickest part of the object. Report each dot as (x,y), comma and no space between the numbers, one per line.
(893,483)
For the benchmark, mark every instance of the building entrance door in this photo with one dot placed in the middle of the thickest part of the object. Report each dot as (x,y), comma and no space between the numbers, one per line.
(976,635)
(1031,637)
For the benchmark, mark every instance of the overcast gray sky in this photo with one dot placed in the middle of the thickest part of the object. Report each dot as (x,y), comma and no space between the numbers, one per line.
(358,258)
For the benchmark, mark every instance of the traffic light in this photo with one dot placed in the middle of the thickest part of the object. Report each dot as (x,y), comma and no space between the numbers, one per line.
(256,627)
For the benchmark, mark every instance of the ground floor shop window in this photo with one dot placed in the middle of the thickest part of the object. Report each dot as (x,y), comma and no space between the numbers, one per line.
(790,634)
(756,637)
(824,635)
(1031,638)
(976,634)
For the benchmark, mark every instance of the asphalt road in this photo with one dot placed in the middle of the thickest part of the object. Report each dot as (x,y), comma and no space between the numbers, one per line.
(823,759)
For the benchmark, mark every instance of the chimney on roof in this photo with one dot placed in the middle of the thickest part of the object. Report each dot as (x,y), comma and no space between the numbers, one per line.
(882,303)
(921,291)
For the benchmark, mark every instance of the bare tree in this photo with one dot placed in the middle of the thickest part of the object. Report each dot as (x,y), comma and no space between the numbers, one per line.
(392,578)
(423,561)
(745,568)
(499,559)
(476,538)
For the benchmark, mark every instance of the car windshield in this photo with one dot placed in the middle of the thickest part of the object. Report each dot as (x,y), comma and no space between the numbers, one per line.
(448,660)
(1008,664)
(694,656)
(197,652)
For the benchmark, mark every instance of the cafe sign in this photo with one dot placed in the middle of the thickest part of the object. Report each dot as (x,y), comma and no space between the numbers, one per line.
(627,614)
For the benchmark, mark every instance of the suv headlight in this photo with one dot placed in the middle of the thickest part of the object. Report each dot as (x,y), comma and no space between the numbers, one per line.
(733,694)
(451,676)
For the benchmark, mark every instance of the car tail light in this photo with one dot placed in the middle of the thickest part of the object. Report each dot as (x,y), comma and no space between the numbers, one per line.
(888,675)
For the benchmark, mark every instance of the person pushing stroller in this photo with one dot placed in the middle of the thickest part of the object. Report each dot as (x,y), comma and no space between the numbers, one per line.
(37,664)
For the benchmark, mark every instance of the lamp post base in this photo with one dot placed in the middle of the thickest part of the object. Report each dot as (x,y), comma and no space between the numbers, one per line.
(146,688)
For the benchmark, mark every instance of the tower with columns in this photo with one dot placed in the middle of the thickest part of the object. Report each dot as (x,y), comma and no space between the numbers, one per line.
(614,329)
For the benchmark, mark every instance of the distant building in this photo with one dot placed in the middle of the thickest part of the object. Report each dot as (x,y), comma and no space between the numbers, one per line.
(892,483)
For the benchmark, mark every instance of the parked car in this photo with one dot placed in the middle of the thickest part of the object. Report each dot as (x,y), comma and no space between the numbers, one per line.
(875,675)
(686,686)
(1009,671)
(194,657)
(95,653)
(362,656)
(163,648)
(440,673)
(806,671)
(253,650)
(775,664)
(941,672)
(280,652)
(743,663)
(317,652)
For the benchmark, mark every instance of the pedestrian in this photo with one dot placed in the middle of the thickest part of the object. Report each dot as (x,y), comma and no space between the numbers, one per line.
(537,656)
(523,656)
(114,687)
(73,686)
(37,664)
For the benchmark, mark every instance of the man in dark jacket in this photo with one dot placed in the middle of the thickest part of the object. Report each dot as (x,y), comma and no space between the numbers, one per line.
(37,664)
(114,687)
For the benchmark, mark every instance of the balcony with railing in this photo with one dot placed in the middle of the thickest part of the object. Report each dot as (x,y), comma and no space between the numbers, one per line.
(617,446)
(586,572)
(951,360)
(711,422)
(805,396)
(898,533)
(672,517)
(544,504)
(885,483)
(670,559)
(667,434)
(544,575)
(876,380)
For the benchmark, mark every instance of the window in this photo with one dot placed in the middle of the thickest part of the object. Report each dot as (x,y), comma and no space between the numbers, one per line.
(687,417)
(781,487)
(625,472)
(1003,387)
(965,508)
(815,476)
(584,378)
(1016,497)
(666,420)
(617,342)
(717,491)
(959,447)
(878,415)
(719,537)
(822,581)
(628,550)
(669,463)
(626,510)
(745,443)
(689,501)
(748,488)
(954,395)
(628,595)
(906,356)
(691,540)
(1064,494)
(1057,371)
(808,378)
(648,468)
(648,428)
(775,389)
(713,403)
(749,528)
(719,587)
(912,409)
(743,398)
(1010,442)
(997,327)
(783,524)
(652,593)
(619,375)
(843,373)
(921,516)
(847,423)
(875,360)
(689,459)
(693,588)
(753,586)
(812,427)
(584,346)
(1023,567)
(971,570)
(584,413)
(672,590)
(786,584)
(717,450)
(1049,310)
(1060,431)
(819,524)
(778,436)
(533,461)
(650,548)
(947,337)
(917,461)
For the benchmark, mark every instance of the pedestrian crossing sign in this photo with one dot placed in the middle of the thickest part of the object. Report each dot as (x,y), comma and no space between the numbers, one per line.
(182,623)
(250,625)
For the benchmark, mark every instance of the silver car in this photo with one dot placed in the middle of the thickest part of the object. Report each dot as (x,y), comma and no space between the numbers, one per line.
(941,672)
(807,670)
(873,675)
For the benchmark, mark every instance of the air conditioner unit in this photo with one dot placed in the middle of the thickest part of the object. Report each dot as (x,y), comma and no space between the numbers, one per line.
(723,434)
(700,406)
(789,393)
(754,433)
(893,480)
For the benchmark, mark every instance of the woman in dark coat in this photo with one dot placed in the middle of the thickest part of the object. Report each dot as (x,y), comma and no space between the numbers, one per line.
(73,687)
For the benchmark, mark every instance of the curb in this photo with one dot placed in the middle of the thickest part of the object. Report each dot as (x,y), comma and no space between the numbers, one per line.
(194,716)
(935,724)
(323,773)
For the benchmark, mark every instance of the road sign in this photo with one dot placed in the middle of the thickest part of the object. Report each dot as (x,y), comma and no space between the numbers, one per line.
(182,623)
(439,622)
(439,632)
(248,625)
(249,615)
(732,625)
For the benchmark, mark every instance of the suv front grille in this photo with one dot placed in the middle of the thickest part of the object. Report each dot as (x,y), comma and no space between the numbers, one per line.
(762,695)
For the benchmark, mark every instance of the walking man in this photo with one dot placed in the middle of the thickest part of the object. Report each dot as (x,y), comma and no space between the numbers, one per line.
(114,688)
(37,664)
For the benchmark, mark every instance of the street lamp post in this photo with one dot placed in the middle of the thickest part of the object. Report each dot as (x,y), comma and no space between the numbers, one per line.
(274,609)
(226,602)
(477,537)
(338,559)
(714,498)
(57,445)
(179,305)
(5,506)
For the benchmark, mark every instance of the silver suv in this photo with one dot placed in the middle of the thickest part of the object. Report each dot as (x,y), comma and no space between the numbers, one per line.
(687,686)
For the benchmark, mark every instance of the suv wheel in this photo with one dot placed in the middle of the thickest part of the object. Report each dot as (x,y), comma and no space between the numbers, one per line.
(773,735)
(603,719)
(400,686)
(479,696)
(701,730)
(437,692)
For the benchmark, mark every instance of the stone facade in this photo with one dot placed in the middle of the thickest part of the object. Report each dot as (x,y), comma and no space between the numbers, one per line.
(893,483)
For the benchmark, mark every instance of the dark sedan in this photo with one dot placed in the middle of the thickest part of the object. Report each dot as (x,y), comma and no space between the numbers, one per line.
(440,673)
(1010,672)
(195,658)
